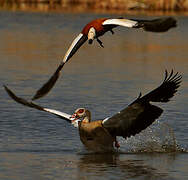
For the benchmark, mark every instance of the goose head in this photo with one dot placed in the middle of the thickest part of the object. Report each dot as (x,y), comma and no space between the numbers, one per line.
(82,113)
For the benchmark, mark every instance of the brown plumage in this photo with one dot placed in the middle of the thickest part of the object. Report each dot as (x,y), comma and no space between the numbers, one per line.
(101,135)
(95,137)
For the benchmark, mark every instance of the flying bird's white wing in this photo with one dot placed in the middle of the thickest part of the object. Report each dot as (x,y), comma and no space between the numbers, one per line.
(76,44)
(155,25)
(120,22)
(59,114)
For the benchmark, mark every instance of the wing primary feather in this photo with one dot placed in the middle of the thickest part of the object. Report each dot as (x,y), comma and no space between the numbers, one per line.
(24,102)
(166,90)
(21,100)
(171,73)
(156,25)
(140,114)
(45,89)
(166,75)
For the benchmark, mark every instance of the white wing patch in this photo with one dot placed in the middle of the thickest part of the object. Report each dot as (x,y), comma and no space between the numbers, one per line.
(59,113)
(72,46)
(63,115)
(120,22)
(106,119)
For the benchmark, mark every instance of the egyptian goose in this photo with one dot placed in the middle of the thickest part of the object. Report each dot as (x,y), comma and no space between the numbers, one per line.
(100,135)
(95,29)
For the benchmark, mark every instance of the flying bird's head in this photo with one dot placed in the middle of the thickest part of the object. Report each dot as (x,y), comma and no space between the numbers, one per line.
(91,35)
(82,113)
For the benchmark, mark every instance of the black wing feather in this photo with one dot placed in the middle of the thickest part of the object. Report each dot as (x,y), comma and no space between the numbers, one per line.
(140,114)
(51,82)
(166,90)
(33,105)
(156,25)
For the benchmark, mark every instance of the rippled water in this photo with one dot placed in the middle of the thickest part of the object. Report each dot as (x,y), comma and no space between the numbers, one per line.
(36,145)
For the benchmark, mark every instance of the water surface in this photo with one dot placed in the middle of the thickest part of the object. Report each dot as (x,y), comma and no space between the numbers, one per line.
(36,145)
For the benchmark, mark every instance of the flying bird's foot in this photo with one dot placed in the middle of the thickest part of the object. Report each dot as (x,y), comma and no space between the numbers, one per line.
(117,145)
(100,42)
(112,31)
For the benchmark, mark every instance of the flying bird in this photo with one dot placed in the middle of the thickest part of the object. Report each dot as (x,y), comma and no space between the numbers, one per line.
(101,135)
(95,29)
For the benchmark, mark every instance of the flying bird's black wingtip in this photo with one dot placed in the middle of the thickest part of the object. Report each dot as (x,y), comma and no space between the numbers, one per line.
(45,89)
(7,90)
(157,25)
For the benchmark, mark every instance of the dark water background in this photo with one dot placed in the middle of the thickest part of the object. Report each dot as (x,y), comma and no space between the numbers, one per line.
(36,145)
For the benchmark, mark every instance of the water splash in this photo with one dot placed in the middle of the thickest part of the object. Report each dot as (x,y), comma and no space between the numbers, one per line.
(157,138)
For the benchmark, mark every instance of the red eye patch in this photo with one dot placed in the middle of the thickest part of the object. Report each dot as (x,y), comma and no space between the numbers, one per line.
(81,111)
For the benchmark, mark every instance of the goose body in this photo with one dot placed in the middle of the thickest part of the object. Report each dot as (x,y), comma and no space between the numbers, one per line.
(98,27)
(95,137)
(137,116)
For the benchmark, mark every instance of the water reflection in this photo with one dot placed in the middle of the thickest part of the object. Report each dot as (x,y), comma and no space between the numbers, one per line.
(124,166)
(87,166)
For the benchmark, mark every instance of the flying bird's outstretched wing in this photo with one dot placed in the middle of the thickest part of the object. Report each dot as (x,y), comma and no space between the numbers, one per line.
(140,114)
(155,25)
(78,41)
(24,102)
(76,44)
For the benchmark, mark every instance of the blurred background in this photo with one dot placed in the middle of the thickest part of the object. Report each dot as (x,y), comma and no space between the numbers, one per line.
(97,5)
(34,36)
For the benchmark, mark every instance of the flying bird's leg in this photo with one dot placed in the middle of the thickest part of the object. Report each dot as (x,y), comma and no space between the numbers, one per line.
(112,31)
(100,42)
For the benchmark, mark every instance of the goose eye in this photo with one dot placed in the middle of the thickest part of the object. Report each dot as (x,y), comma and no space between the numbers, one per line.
(81,111)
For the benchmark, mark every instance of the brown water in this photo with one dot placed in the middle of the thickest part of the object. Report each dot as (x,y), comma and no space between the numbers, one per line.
(36,145)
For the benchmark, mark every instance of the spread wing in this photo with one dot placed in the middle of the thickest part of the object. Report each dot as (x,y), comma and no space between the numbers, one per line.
(120,22)
(140,114)
(76,44)
(24,102)
(155,25)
